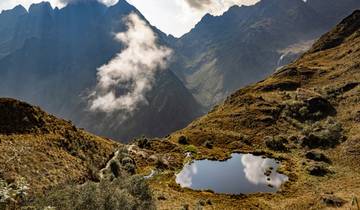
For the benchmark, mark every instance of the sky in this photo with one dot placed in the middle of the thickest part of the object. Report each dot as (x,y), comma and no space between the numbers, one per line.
(174,17)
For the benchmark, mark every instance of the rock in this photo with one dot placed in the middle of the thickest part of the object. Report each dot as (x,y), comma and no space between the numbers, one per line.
(332,201)
(317,156)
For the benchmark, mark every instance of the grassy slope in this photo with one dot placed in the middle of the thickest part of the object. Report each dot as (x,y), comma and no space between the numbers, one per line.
(331,71)
(46,151)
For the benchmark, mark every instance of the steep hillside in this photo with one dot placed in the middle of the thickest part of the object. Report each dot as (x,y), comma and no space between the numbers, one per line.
(66,47)
(48,163)
(306,114)
(247,43)
(46,151)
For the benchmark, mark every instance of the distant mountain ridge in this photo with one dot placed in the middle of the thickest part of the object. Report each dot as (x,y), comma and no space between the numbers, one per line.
(223,53)
(53,60)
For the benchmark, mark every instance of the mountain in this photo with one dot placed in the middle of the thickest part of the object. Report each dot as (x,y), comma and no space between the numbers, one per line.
(56,62)
(306,114)
(47,162)
(223,53)
(8,21)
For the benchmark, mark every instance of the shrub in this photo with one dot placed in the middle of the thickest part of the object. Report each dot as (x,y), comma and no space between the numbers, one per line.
(143,143)
(115,168)
(191,148)
(130,168)
(13,194)
(277,143)
(122,193)
(325,134)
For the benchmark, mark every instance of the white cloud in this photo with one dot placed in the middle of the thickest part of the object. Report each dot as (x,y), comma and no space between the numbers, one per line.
(177,17)
(125,80)
(216,7)
(174,17)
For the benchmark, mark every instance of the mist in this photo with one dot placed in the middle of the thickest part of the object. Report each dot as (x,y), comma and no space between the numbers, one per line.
(123,82)
(217,7)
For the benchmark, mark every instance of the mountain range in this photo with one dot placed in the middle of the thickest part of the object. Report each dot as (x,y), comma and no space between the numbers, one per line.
(247,43)
(50,57)
(305,115)
(60,51)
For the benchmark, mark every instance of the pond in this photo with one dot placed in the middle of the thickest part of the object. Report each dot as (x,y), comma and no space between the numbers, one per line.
(241,174)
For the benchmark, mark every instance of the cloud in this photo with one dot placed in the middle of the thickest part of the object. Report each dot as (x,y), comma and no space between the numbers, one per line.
(106,2)
(217,7)
(199,4)
(125,80)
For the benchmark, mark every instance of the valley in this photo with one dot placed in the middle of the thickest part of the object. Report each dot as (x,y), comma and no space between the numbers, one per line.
(283,138)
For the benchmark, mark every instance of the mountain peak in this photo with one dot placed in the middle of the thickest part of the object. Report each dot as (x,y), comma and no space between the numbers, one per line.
(40,8)
(18,10)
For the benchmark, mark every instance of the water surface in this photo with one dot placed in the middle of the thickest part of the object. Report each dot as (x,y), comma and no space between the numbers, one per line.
(241,174)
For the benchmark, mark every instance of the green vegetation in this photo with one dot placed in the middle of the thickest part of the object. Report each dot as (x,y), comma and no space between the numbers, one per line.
(126,193)
(277,143)
(322,134)
(14,194)
(191,148)
(143,142)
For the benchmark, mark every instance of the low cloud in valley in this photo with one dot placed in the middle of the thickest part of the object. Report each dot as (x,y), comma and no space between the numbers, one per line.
(124,81)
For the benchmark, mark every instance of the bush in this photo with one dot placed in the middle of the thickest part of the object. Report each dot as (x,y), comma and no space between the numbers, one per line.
(183,140)
(115,168)
(277,143)
(324,135)
(122,193)
(13,194)
(143,143)
(191,148)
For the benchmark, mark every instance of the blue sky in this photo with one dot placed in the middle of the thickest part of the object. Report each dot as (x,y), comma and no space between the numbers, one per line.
(174,17)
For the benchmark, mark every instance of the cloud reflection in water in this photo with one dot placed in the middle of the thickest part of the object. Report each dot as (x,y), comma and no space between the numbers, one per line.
(243,173)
